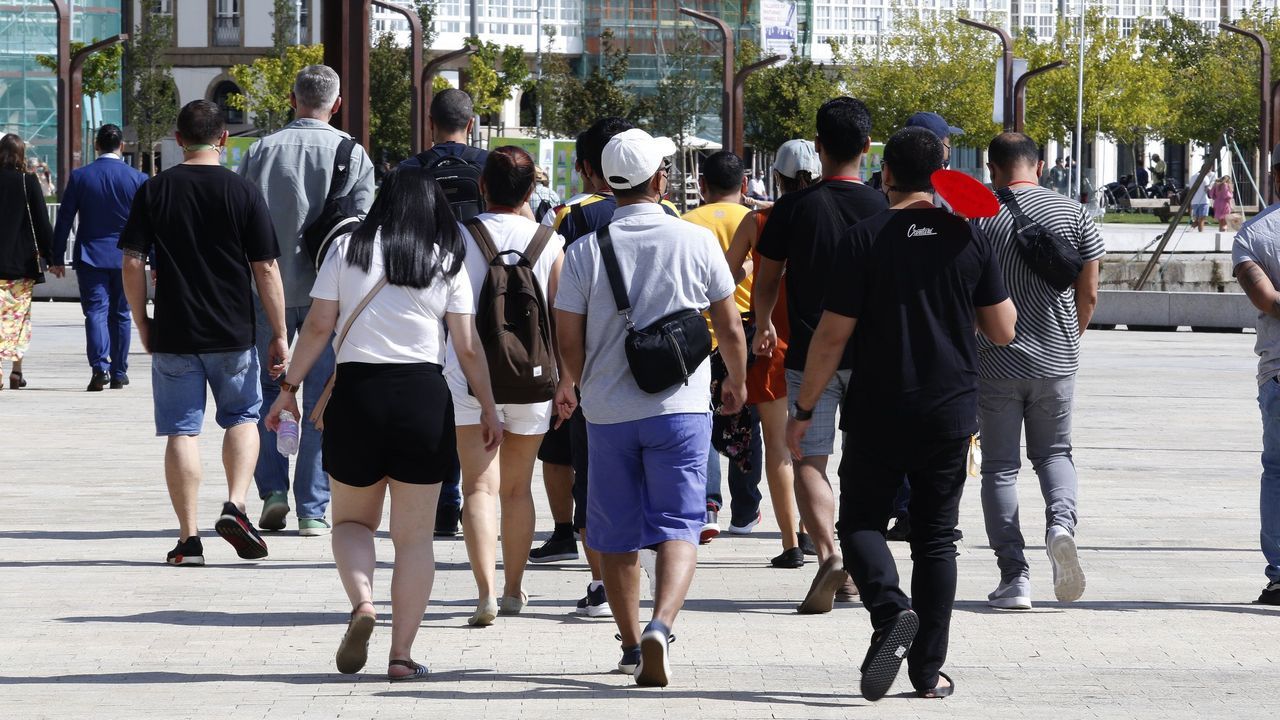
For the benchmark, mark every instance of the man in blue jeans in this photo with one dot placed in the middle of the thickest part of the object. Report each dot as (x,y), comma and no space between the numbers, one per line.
(210,232)
(292,168)
(1256,258)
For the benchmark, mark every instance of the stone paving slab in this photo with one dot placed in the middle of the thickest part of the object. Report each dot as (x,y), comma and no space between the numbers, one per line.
(96,626)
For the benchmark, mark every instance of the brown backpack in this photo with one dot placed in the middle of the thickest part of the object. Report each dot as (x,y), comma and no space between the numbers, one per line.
(512,321)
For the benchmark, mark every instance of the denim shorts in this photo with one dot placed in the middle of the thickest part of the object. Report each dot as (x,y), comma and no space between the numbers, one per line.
(1199,210)
(648,481)
(178,388)
(820,439)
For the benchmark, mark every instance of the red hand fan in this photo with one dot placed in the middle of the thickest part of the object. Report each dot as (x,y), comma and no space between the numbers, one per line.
(966,196)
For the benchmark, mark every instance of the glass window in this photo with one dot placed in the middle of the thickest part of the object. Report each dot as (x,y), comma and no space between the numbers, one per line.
(226,23)
(221,92)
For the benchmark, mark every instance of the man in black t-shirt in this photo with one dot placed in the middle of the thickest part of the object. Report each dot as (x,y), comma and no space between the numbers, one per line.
(801,237)
(211,236)
(915,282)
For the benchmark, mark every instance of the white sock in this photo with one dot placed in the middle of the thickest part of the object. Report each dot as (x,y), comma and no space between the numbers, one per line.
(595,585)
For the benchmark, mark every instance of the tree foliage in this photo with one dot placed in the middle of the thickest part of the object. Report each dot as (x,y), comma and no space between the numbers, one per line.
(267,82)
(683,97)
(494,74)
(99,75)
(389,96)
(571,101)
(284,29)
(153,97)
(781,102)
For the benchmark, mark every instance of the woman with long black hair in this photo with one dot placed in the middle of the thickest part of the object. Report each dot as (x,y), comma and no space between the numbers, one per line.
(389,423)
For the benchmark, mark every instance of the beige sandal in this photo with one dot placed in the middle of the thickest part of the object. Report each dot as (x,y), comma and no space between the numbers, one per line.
(353,652)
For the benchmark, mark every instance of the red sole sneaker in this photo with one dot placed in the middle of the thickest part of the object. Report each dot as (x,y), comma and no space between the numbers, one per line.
(241,536)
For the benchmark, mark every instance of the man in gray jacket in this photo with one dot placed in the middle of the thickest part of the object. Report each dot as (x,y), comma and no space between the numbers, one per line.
(293,168)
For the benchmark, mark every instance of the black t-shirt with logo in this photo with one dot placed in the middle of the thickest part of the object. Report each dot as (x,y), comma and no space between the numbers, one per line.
(804,229)
(912,278)
(202,225)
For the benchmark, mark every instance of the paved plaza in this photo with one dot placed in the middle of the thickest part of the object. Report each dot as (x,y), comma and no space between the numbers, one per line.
(96,626)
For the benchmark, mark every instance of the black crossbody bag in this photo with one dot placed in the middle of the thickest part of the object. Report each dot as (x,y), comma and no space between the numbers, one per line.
(667,352)
(1054,259)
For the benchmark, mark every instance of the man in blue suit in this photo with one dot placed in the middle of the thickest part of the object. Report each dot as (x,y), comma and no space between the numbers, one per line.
(101,193)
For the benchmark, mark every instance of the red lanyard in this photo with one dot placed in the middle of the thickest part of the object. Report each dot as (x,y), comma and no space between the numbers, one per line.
(844,178)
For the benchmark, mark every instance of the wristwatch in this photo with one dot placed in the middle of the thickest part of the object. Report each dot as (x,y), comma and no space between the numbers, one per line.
(799,413)
(289,387)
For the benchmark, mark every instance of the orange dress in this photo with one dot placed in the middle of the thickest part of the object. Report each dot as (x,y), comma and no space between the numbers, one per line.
(766,377)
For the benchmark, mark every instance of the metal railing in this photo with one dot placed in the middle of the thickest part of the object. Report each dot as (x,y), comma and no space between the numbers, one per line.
(226,31)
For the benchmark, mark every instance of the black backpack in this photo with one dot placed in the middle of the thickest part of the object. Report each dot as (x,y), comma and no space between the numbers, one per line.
(513,323)
(459,176)
(339,215)
(1049,256)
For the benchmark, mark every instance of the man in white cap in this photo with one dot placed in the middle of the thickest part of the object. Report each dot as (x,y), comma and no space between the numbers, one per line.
(648,451)
(1256,258)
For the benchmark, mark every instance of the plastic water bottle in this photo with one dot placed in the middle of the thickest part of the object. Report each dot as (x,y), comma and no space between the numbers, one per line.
(287,434)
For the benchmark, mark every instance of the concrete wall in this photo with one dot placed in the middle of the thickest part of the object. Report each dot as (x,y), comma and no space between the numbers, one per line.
(1223,311)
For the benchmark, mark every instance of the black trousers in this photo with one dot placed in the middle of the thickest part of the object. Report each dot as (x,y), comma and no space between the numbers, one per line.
(869,481)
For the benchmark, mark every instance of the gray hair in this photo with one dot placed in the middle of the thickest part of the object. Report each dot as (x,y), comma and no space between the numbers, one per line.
(316,87)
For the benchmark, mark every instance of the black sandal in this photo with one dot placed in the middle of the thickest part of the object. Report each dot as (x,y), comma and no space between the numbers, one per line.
(889,646)
(420,672)
(353,651)
(936,692)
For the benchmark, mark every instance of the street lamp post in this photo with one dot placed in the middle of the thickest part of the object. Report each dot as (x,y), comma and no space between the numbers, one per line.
(1020,93)
(74,116)
(65,130)
(726,96)
(417,128)
(739,83)
(345,32)
(1006,43)
(537,64)
(1265,91)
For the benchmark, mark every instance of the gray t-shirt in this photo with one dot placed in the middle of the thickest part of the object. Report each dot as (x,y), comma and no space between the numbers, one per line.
(669,265)
(1259,241)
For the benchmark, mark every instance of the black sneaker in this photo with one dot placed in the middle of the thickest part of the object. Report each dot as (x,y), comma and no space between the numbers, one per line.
(235,528)
(447,517)
(805,543)
(630,660)
(594,604)
(654,669)
(1270,595)
(555,549)
(900,531)
(187,552)
(793,558)
(118,383)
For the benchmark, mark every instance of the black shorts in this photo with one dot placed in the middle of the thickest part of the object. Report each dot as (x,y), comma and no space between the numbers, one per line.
(556,447)
(389,420)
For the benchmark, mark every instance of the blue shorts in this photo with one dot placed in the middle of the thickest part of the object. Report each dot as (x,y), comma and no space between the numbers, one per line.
(1199,210)
(648,481)
(178,389)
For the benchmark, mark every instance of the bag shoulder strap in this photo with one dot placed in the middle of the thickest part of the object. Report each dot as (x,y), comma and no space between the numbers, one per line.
(483,239)
(537,244)
(616,283)
(1006,196)
(341,166)
(346,327)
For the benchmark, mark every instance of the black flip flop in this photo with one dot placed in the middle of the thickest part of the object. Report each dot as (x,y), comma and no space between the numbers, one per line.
(889,646)
(939,692)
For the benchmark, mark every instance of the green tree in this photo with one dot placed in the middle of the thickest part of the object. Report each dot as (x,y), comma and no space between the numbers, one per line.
(284,29)
(389,95)
(153,97)
(780,103)
(427,11)
(683,98)
(494,74)
(99,76)
(267,82)
(571,101)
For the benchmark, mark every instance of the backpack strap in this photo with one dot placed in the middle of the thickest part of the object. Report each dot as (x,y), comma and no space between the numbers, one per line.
(616,283)
(537,245)
(483,239)
(341,166)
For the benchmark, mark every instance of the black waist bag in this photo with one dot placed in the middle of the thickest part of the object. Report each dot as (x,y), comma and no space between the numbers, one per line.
(665,353)
(1054,259)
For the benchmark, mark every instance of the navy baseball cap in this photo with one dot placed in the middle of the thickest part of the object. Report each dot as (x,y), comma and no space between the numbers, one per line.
(934,123)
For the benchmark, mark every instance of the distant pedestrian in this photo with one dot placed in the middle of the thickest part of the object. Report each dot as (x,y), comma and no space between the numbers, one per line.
(544,199)
(296,199)
(100,194)
(210,232)
(914,283)
(1200,201)
(648,449)
(392,290)
(1030,383)
(1224,199)
(756,188)
(1255,257)
(25,240)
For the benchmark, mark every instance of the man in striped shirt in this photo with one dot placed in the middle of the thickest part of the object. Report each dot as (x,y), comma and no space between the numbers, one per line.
(1031,382)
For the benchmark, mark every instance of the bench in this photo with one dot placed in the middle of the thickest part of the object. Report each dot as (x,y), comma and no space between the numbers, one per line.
(1159,207)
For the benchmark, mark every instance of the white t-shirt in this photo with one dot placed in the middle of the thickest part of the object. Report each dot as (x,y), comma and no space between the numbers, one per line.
(401,324)
(1202,193)
(509,232)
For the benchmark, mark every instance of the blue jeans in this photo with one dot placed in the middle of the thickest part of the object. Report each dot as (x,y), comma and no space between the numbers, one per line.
(106,319)
(178,389)
(1269,403)
(310,484)
(744,487)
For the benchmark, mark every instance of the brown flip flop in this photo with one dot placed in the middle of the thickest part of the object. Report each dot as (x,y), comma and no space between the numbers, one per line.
(353,652)
(821,597)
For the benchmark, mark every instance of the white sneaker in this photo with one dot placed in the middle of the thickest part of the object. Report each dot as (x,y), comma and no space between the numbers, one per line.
(1068,578)
(746,529)
(710,526)
(1013,595)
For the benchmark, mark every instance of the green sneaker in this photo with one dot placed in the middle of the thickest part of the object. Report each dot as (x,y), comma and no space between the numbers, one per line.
(313,527)
(275,506)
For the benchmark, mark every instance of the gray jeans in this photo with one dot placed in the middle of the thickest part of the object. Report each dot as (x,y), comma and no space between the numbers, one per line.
(1043,405)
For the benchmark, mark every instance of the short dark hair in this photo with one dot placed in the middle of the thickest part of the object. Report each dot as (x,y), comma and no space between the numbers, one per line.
(844,124)
(913,155)
(13,153)
(1011,149)
(201,121)
(451,110)
(110,137)
(591,143)
(723,171)
(508,175)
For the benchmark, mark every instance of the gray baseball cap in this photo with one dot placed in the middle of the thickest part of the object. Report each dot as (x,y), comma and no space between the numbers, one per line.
(797,155)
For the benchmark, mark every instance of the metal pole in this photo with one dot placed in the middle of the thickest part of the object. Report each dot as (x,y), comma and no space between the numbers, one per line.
(1006,44)
(726,96)
(537,110)
(739,83)
(417,128)
(345,31)
(1020,93)
(1264,91)
(1078,140)
(65,130)
(475,18)
(75,116)
(1177,217)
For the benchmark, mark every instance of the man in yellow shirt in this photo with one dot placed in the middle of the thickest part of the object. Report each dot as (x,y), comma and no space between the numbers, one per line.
(723,184)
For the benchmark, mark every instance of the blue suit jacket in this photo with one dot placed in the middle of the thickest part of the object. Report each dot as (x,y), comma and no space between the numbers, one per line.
(101,193)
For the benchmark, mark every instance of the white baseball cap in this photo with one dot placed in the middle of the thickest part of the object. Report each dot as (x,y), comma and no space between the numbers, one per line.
(797,155)
(632,157)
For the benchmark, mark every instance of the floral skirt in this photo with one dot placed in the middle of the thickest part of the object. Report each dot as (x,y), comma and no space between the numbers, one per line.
(15,317)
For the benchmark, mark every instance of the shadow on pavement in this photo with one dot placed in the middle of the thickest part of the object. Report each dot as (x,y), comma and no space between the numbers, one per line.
(981,607)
